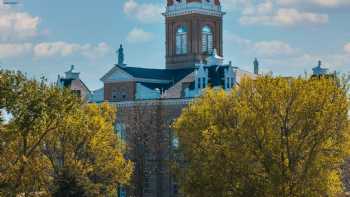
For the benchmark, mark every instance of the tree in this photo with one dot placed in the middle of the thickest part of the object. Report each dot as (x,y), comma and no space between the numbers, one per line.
(269,137)
(54,138)
(86,153)
(37,110)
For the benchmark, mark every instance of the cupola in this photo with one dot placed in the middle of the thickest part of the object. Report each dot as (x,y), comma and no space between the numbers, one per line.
(193,31)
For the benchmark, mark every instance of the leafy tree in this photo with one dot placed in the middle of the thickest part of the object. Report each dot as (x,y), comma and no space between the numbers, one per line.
(86,153)
(269,137)
(54,138)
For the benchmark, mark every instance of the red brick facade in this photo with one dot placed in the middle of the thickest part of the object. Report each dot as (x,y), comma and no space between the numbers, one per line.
(194,23)
(152,118)
(120,91)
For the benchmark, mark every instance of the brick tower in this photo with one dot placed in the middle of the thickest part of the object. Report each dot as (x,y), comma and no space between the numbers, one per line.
(193,31)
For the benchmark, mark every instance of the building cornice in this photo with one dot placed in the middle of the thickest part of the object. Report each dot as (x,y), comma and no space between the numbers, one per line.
(166,102)
(193,8)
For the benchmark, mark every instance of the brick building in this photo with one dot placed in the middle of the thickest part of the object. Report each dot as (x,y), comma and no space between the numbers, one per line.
(72,81)
(149,100)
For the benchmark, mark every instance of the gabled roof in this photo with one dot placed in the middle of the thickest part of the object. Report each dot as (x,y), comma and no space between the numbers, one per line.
(68,82)
(160,74)
(111,71)
(150,73)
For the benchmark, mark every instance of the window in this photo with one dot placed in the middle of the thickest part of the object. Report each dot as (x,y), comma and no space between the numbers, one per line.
(114,94)
(121,130)
(121,191)
(199,83)
(232,82)
(124,95)
(77,93)
(181,40)
(203,80)
(207,40)
(175,188)
(175,142)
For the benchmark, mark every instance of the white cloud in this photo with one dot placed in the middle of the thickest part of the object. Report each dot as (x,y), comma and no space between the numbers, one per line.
(236,4)
(97,51)
(321,3)
(347,48)
(53,49)
(277,12)
(274,49)
(16,25)
(63,49)
(138,35)
(265,49)
(279,55)
(284,17)
(14,50)
(47,49)
(145,13)
(237,40)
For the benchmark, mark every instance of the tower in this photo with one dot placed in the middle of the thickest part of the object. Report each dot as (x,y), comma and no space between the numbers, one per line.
(193,31)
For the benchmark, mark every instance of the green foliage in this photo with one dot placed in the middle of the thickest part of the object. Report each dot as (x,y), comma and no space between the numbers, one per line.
(269,137)
(53,139)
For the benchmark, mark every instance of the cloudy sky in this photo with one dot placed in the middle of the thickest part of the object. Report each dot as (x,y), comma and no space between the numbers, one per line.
(43,38)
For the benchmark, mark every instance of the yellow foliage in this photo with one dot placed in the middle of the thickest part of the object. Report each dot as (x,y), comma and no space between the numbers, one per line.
(269,137)
(55,144)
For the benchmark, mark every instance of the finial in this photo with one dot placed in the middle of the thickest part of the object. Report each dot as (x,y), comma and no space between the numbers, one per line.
(71,68)
(256,66)
(319,63)
(121,55)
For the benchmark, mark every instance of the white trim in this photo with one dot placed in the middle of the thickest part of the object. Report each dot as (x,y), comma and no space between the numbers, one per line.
(142,80)
(189,8)
(193,11)
(152,102)
(111,71)
(152,80)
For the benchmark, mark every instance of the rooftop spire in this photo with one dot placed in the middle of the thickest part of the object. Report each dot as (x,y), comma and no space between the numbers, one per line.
(256,66)
(71,68)
(318,70)
(121,55)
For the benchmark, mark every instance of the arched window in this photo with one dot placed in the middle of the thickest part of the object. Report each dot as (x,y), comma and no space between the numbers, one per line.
(207,40)
(181,40)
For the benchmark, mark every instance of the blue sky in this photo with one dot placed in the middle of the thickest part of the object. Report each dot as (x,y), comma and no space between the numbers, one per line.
(43,38)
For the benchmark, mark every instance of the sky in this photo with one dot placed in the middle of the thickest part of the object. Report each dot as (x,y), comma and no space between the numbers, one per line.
(45,37)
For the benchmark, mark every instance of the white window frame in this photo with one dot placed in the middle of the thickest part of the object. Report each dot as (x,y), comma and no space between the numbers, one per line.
(181,40)
(207,39)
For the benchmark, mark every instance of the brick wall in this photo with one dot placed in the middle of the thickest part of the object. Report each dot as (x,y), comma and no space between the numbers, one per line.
(120,91)
(156,118)
(194,24)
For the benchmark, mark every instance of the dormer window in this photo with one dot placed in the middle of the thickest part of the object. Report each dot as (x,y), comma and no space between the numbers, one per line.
(207,40)
(181,40)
